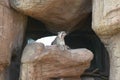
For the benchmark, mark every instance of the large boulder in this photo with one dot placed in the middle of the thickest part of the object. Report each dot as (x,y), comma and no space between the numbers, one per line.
(56,14)
(41,62)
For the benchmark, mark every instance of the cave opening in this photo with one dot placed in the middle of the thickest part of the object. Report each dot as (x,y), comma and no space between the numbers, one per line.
(83,37)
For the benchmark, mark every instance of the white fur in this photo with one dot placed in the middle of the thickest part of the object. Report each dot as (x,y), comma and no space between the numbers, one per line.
(47,41)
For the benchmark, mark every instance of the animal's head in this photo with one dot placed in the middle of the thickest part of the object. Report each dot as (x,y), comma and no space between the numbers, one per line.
(62,34)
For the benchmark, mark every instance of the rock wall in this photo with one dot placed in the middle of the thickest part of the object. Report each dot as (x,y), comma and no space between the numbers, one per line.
(12,27)
(106,24)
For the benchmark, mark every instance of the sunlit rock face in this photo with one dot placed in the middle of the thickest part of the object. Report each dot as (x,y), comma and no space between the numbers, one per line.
(106,24)
(41,62)
(56,14)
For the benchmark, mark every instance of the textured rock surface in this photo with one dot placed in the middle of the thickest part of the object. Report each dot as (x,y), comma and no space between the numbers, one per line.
(43,63)
(56,14)
(106,23)
(12,27)
(106,18)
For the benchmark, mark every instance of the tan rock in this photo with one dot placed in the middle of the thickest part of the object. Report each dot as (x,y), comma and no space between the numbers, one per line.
(106,18)
(12,27)
(106,23)
(5,3)
(42,63)
(56,14)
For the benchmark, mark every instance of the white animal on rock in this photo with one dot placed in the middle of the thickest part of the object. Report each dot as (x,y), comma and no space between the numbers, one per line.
(47,41)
